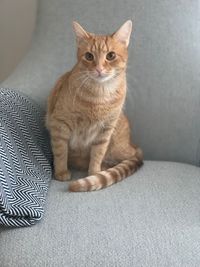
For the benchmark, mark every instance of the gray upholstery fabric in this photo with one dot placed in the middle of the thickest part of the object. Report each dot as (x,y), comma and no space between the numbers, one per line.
(163,76)
(150,219)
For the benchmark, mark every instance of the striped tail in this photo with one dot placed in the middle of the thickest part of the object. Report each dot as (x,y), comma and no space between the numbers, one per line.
(106,178)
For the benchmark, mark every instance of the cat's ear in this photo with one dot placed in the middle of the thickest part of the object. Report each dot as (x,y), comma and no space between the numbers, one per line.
(81,34)
(124,33)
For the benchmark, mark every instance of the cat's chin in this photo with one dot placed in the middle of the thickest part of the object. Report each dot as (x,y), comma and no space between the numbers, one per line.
(102,79)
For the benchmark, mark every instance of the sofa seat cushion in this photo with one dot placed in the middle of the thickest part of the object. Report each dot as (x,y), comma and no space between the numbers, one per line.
(149,219)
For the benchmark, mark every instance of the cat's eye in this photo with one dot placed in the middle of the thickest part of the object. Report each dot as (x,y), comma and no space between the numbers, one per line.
(89,56)
(111,56)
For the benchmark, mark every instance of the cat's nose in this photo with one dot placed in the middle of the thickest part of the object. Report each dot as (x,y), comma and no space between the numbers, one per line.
(99,70)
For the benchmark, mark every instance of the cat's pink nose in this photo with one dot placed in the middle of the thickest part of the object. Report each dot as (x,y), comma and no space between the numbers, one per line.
(99,70)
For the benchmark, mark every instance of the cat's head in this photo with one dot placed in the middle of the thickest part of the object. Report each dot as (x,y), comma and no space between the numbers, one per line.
(103,57)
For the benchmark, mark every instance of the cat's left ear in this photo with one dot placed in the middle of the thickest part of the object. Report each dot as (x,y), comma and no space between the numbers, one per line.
(124,33)
(81,34)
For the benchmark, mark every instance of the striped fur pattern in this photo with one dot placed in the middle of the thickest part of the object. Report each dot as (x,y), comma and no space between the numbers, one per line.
(85,119)
(107,178)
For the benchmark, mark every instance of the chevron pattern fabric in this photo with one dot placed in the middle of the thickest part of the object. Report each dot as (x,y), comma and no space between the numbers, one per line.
(25,160)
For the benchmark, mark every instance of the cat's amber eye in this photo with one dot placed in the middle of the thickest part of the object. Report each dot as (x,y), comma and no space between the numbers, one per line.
(111,56)
(89,56)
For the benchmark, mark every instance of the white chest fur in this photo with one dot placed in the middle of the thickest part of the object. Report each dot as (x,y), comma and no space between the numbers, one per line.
(85,136)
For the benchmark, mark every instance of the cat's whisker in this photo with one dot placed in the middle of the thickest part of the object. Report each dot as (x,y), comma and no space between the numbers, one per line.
(77,90)
(82,72)
(81,77)
(86,84)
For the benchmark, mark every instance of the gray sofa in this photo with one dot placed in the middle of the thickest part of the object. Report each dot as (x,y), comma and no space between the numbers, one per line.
(152,218)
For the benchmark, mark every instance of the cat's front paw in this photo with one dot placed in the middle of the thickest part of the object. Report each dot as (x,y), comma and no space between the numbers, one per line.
(63,176)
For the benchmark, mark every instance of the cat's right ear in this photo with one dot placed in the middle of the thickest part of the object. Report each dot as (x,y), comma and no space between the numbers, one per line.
(124,32)
(81,34)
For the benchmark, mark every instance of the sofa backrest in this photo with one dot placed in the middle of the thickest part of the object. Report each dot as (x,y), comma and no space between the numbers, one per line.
(163,100)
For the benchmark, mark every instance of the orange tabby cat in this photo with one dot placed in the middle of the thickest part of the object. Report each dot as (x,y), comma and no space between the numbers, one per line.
(87,126)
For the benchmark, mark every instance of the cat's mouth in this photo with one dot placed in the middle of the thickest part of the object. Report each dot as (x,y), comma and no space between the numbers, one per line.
(103,77)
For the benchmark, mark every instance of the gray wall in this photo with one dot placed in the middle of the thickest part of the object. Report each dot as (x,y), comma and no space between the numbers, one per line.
(163,100)
(17,22)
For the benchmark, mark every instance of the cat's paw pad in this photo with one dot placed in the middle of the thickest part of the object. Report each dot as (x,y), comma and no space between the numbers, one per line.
(63,176)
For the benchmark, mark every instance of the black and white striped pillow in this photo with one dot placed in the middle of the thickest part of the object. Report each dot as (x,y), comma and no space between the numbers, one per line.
(25,160)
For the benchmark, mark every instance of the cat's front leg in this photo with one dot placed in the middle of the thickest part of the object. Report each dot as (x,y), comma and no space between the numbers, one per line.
(98,151)
(59,142)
